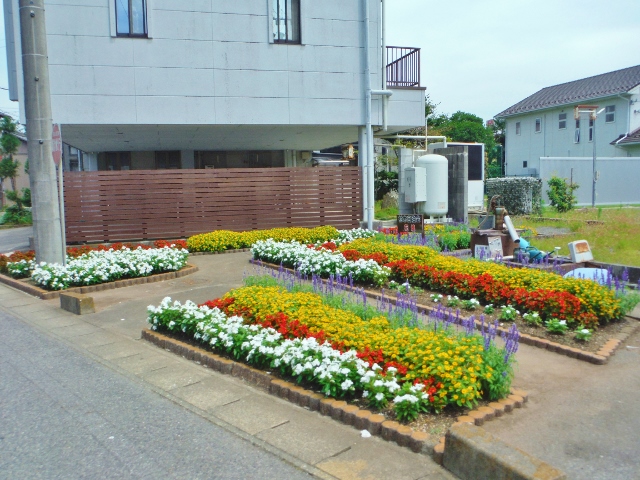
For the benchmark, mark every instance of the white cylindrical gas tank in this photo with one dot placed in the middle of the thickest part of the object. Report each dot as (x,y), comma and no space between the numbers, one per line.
(437,167)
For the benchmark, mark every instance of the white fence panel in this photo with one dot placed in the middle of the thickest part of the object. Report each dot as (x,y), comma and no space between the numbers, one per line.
(618,181)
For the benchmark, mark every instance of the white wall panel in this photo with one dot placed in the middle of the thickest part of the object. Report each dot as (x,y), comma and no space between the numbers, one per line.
(240,28)
(69,50)
(250,56)
(184,6)
(325,59)
(78,20)
(182,25)
(325,111)
(325,85)
(256,111)
(248,7)
(88,109)
(188,82)
(173,53)
(256,83)
(175,110)
(91,80)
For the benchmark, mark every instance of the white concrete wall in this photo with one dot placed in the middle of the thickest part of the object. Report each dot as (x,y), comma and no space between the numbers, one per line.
(617,182)
(212,62)
(554,142)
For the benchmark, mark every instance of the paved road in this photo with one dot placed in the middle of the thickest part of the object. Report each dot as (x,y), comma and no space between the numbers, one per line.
(63,415)
(12,239)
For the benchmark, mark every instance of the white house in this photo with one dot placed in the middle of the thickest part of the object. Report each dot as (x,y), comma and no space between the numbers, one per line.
(148,84)
(543,124)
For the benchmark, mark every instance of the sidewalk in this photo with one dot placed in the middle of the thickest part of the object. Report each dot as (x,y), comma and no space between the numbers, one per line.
(306,439)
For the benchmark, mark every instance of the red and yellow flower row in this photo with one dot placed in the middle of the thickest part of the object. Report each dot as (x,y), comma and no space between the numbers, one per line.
(456,362)
(597,303)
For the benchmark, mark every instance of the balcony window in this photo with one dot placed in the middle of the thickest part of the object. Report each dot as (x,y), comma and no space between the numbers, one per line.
(131,18)
(286,21)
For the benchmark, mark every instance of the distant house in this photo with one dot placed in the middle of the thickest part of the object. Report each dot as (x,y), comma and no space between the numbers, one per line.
(543,124)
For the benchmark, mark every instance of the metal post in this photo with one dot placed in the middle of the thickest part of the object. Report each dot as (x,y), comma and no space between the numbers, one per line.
(593,192)
(42,174)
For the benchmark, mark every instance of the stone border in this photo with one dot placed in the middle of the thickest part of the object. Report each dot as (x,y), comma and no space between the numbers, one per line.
(339,410)
(48,294)
(599,358)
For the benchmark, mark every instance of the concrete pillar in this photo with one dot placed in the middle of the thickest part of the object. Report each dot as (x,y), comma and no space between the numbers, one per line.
(47,228)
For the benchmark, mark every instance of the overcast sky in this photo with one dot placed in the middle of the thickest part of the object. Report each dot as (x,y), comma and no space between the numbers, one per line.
(482,56)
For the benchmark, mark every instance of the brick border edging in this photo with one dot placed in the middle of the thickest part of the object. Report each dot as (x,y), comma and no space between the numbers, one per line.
(48,295)
(599,358)
(339,410)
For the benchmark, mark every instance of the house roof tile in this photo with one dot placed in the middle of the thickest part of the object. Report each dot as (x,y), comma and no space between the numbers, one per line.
(633,137)
(606,84)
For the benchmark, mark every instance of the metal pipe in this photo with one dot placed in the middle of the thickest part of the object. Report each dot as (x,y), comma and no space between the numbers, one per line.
(385,99)
(369,130)
(512,231)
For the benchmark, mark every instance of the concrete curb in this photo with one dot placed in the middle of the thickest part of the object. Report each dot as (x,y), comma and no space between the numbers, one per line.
(361,419)
(472,453)
(48,295)
(601,357)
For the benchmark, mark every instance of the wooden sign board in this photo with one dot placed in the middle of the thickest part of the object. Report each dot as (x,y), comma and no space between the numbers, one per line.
(410,223)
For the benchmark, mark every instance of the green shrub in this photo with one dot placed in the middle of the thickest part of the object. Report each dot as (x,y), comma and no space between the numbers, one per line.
(560,194)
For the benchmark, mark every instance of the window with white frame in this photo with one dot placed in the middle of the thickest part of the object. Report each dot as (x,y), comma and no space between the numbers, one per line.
(591,129)
(562,121)
(577,134)
(131,18)
(538,125)
(286,21)
(517,128)
(610,114)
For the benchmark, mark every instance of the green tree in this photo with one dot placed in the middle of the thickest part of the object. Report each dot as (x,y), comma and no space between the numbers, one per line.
(9,145)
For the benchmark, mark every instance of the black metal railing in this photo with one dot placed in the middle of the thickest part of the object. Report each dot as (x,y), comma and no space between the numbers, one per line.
(403,67)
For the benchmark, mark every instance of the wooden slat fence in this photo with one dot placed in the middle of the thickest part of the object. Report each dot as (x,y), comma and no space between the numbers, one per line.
(154,204)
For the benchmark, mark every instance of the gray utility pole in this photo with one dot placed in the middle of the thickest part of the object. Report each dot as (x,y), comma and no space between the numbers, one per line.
(42,171)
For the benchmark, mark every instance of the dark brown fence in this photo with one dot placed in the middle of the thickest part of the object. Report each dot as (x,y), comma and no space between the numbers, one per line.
(154,204)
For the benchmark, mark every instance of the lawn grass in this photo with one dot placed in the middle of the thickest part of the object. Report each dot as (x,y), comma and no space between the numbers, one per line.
(617,240)
(385,213)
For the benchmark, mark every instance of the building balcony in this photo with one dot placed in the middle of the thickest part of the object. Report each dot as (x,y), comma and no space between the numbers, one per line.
(403,67)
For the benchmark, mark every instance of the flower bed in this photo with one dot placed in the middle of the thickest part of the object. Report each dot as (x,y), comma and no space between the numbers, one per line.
(307,336)
(309,260)
(577,300)
(221,240)
(74,252)
(100,266)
